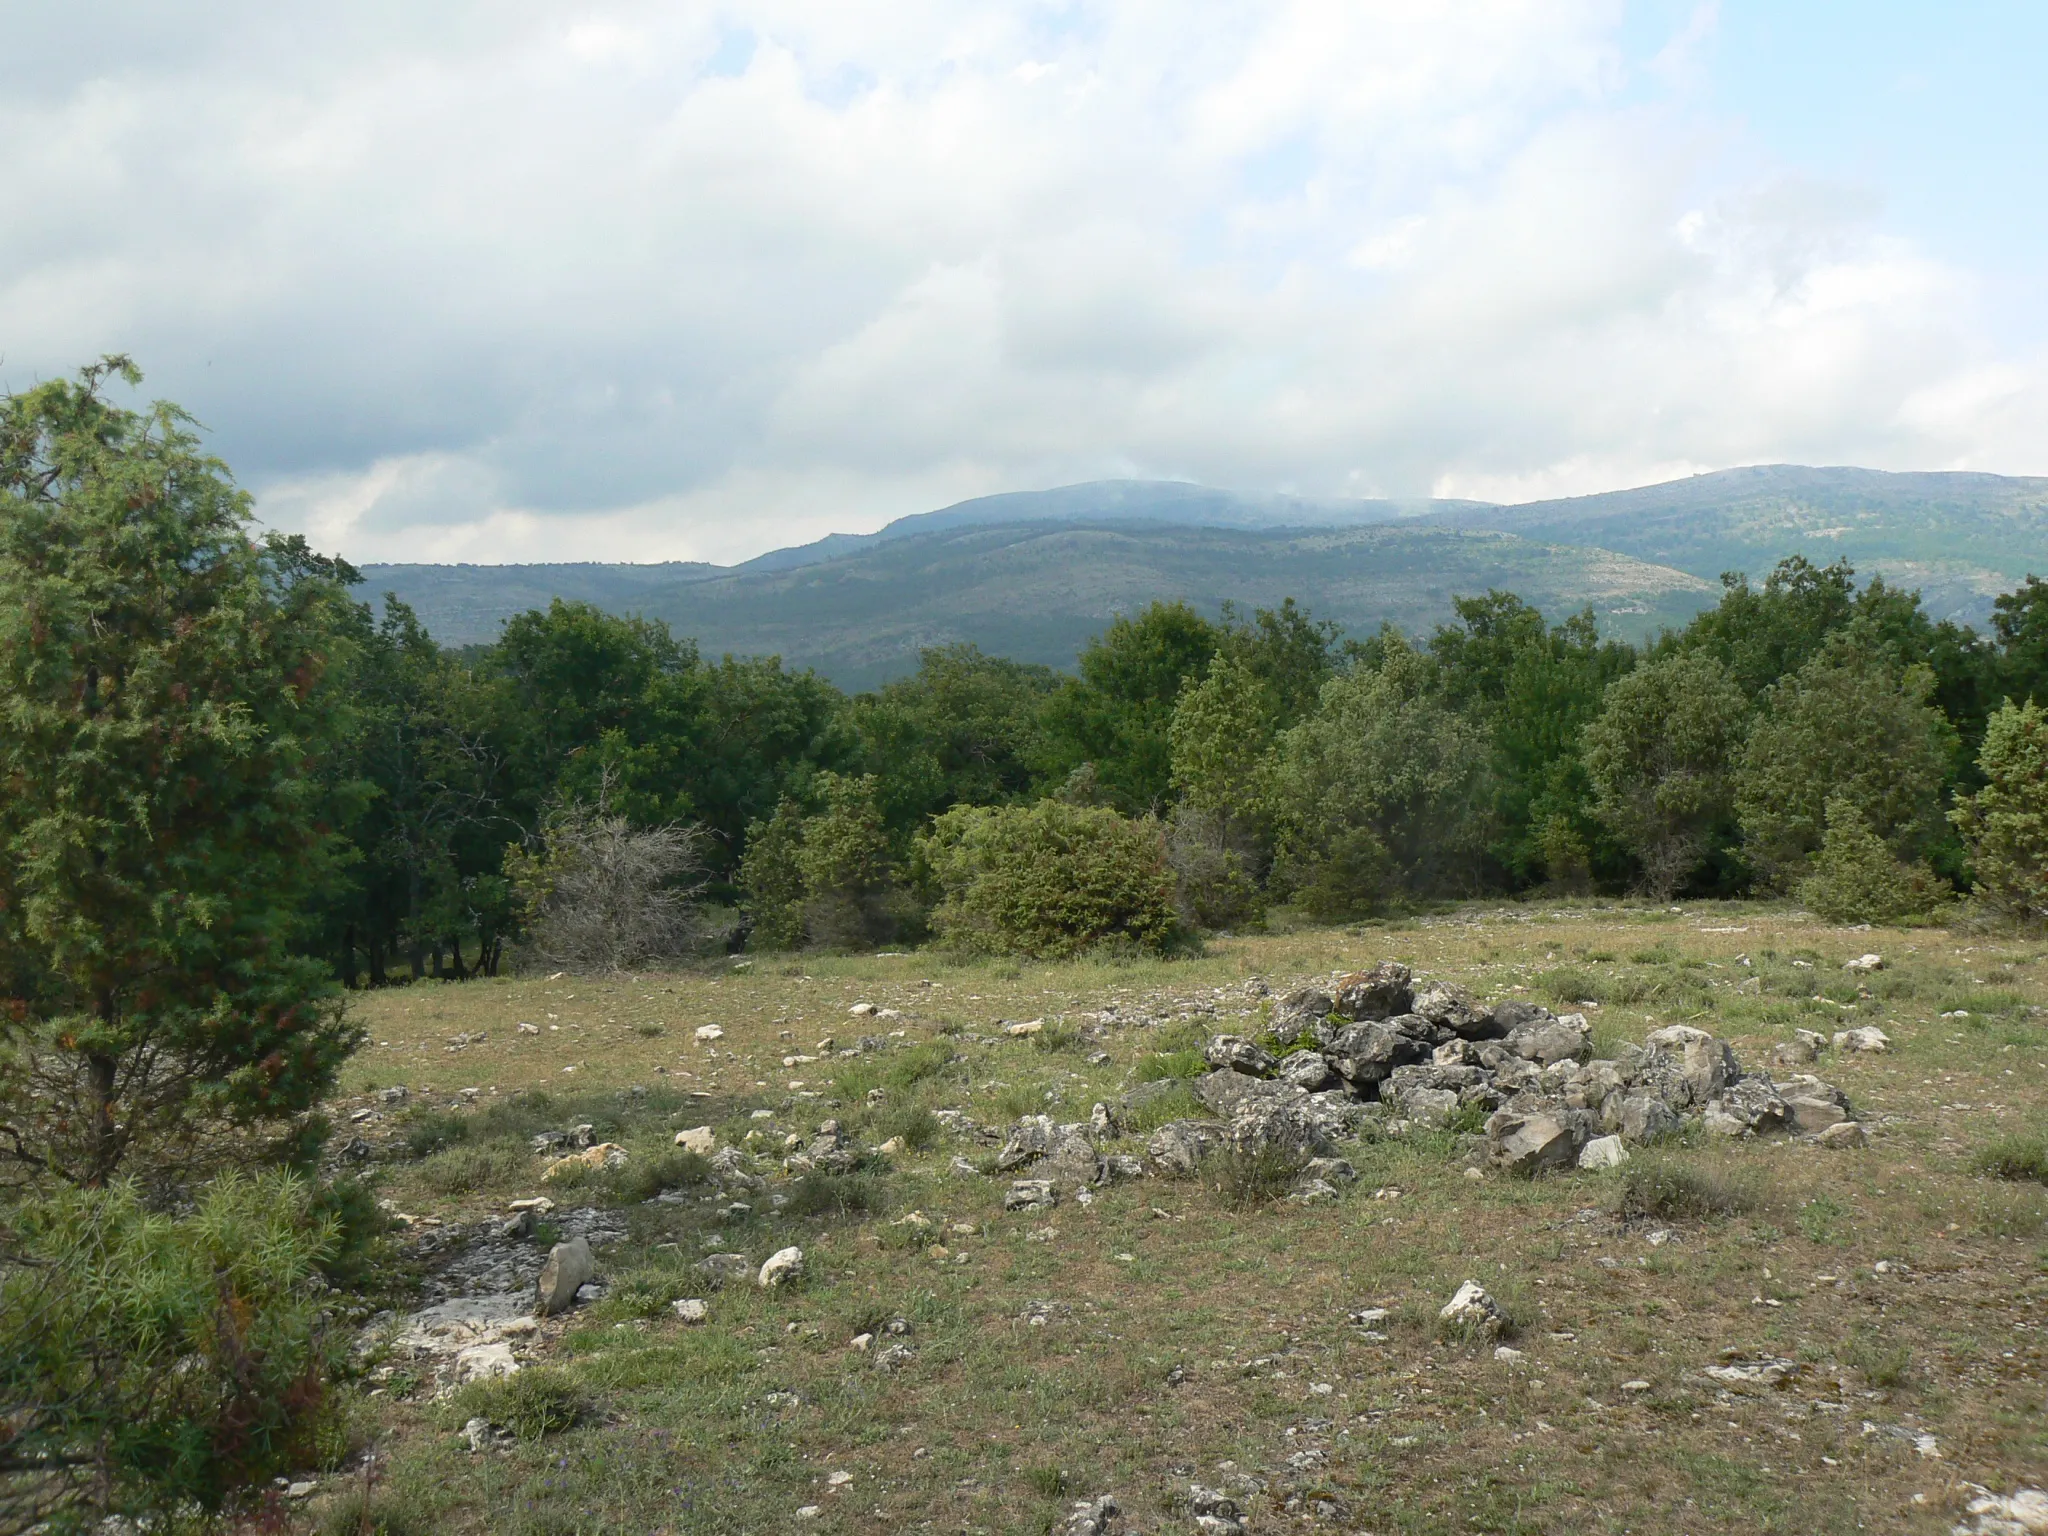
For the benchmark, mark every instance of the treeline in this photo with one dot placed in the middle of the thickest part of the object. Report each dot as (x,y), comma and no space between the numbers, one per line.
(1280,763)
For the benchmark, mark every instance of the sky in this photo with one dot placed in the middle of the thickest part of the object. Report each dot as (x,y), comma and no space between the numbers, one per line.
(522,281)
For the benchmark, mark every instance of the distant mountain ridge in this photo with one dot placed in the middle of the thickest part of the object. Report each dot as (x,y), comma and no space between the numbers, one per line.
(1032,574)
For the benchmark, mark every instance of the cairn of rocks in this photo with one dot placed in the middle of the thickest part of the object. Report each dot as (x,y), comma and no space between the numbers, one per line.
(1378,1052)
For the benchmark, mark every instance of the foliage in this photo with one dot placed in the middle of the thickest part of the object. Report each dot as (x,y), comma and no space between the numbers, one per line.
(2005,824)
(1847,724)
(1050,880)
(168,684)
(151,1362)
(534,1403)
(1857,879)
(1668,1189)
(602,895)
(1248,1177)
(1660,758)
(1117,714)
(2021,1158)
(830,879)
(1382,791)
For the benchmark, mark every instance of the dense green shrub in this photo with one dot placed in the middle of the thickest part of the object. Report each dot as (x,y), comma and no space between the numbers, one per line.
(538,1401)
(2005,824)
(2020,1158)
(151,1363)
(1382,791)
(1857,879)
(1851,725)
(1661,757)
(1050,880)
(830,879)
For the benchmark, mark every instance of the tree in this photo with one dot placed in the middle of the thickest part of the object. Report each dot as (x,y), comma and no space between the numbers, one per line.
(1117,713)
(2005,824)
(1661,759)
(1533,689)
(2020,620)
(1761,635)
(1050,880)
(603,895)
(1857,879)
(151,1363)
(1219,838)
(168,684)
(1382,790)
(1847,723)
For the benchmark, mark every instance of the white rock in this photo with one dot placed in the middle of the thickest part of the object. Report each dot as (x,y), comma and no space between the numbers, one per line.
(809,1511)
(1603,1152)
(2024,1514)
(300,1490)
(706,1033)
(839,1479)
(528,1029)
(1028,1027)
(1843,1133)
(783,1266)
(1869,1039)
(700,1139)
(1473,1308)
(862,1010)
(1507,1356)
(893,1147)
(1865,963)
(690,1309)
(482,1362)
(1638,1385)
(569,1267)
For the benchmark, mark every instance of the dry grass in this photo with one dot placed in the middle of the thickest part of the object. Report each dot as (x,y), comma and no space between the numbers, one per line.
(1177,1334)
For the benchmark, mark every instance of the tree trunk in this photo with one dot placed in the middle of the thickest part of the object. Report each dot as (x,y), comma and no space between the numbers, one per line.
(377,976)
(345,967)
(455,949)
(102,1074)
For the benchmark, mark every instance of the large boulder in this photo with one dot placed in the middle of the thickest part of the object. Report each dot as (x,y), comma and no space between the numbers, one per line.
(1029,1140)
(1306,1070)
(1291,1122)
(1380,993)
(1748,1107)
(1238,1054)
(1639,1117)
(1453,1008)
(1364,1054)
(1686,1067)
(1299,1012)
(1518,1013)
(569,1267)
(1548,1040)
(1180,1146)
(1525,1143)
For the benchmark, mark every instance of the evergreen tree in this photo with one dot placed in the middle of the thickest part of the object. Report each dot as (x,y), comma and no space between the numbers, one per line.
(168,684)
(2005,824)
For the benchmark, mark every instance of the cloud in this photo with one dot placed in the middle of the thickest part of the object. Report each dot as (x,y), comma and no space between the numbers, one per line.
(646,280)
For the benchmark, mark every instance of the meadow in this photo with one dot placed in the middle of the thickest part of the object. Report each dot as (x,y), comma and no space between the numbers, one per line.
(1876,1312)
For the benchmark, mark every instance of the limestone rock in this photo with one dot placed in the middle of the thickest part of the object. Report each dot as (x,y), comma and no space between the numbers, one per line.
(1090,1517)
(569,1267)
(1380,993)
(1863,965)
(483,1362)
(690,1309)
(1455,1009)
(1567,1038)
(1603,1152)
(725,1268)
(1299,1012)
(1531,1144)
(1031,1195)
(1238,1054)
(1640,1118)
(701,1140)
(1306,1070)
(1364,1054)
(1472,1308)
(1030,1140)
(783,1266)
(1842,1134)
(1180,1146)
(1868,1039)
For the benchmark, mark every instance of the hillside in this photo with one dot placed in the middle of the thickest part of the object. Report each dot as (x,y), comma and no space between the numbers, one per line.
(1959,538)
(1033,574)
(1036,591)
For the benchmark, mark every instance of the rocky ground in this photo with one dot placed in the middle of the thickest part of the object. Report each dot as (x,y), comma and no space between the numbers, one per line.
(1626,1221)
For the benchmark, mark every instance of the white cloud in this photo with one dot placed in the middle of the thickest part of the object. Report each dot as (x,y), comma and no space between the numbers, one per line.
(690,281)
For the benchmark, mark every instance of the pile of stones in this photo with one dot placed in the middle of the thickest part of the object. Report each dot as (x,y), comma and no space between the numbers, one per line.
(1376,1053)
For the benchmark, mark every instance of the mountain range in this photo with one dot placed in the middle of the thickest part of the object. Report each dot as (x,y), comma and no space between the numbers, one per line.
(1033,574)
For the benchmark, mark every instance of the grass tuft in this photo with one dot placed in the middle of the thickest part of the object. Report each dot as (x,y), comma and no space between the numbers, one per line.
(1665,1189)
(539,1401)
(1254,1177)
(2022,1159)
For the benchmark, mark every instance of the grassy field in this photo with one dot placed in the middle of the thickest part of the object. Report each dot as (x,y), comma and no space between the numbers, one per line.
(1166,1334)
